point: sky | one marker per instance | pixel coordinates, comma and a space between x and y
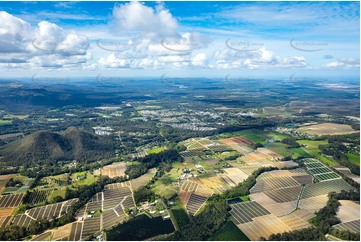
205, 39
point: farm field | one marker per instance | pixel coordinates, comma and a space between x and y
312, 148
237, 140
270, 183
284, 194
155, 150
89, 178
75, 232
90, 227
112, 202
353, 226
283, 150
260, 157
279, 203
195, 202
313, 204
323, 188
246, 211
354, 158
298, 219
143, 179
47, 212
328, 129
346, 171
263, 226
195, 191
3, 180
43, 237
164, 190
257, 136
38, 196
62, 233
4, 221
280, 148
233, 176
114, 170
12, 200
319, 171
348, 211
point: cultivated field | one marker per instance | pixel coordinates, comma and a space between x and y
38, 196
313, 204
114, 170
10, 201
260, 157
353, 226
280, 203
195, 202
22, 220
237, 140
103, 211
245, 212
234, 176
112, 201
90, 227
3, 180
319, 171
47, 212
4, 221
346, 171
263, 226
284, 194
194, 193
43, 237
323, 188
328, 129
143, 179
298, 219
273, 183
75, 232
348, 211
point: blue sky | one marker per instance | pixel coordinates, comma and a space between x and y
182, 38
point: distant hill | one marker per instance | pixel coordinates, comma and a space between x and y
46, 146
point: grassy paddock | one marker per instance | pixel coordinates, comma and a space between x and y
354, 158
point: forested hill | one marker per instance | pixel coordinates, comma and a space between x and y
46, 146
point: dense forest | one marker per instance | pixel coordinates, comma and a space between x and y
47, 148
151, 161
202, 226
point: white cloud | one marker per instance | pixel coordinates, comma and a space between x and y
151, 23
47, 45
255, 59
344, 63
199, 59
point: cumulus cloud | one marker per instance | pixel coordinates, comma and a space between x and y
199, 59
156, 40
144, 37
14, 32
151, 23
255, 59
46, 45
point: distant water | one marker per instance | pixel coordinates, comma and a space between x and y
233, 201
